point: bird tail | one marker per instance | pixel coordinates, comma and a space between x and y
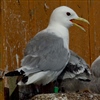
15, 73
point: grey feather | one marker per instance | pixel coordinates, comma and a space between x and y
73, 85
76, 76
76, 68
49, 51
95, 67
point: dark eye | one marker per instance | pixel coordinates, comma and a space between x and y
68, 13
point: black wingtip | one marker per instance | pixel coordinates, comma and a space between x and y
13, 73
25, 79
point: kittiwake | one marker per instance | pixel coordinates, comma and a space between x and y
76, 75
47, 53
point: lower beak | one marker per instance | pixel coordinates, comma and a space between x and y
80, 19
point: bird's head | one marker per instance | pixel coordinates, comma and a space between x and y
65, 16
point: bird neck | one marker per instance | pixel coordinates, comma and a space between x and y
60, 31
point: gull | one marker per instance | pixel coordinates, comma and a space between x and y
47, 53
76, 76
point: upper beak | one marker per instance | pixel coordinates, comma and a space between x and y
80, 19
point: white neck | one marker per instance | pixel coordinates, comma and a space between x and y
59, 31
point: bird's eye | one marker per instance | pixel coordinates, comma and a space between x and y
68, 13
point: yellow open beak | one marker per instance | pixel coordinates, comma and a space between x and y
81, 19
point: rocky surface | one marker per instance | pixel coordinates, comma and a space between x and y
67, 96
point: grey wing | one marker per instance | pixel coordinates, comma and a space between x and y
79, 62
76, 67
45, 52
